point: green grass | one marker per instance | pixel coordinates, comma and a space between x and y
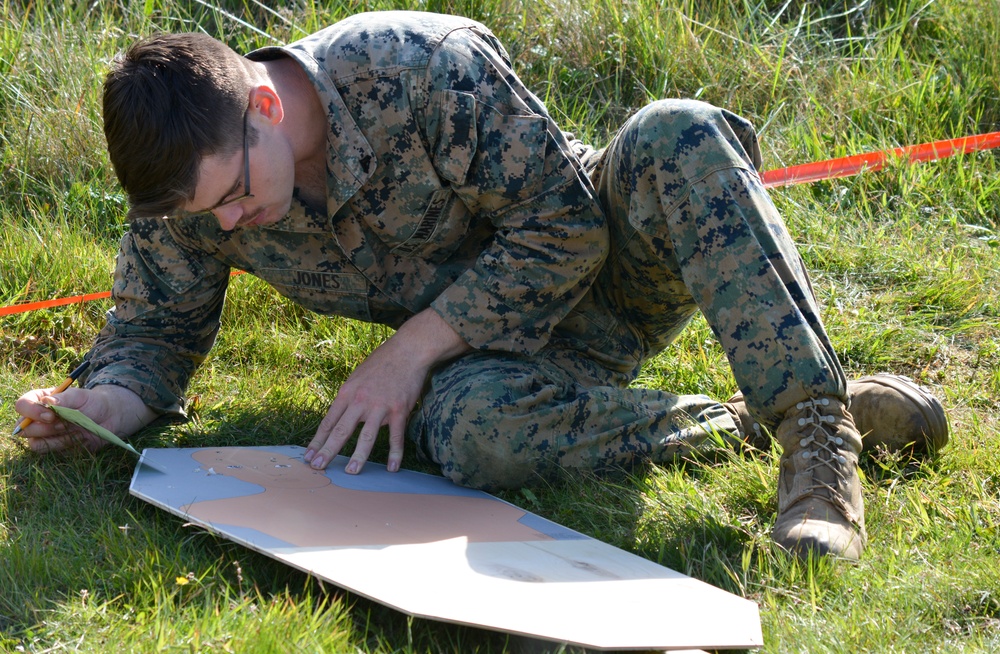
906, 263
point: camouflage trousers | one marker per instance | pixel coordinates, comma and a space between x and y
692, 228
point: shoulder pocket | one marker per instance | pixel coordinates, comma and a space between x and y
172, 265
501, 153
456, 144
510, 161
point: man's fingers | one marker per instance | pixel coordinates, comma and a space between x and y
318, 445
319, 457
48, 426
71, 398
31, 407
50, 444
366, 441
331, 436
371, 411
67, 441
397, 441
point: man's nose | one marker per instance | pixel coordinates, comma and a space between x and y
229, 215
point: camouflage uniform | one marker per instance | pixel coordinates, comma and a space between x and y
450, 187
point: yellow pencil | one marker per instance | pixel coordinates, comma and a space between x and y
73, 376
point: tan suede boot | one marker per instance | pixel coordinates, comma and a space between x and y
890, 411
820, 508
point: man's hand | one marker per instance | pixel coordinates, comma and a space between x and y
117, 409
383, 390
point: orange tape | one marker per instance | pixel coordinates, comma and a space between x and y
45, 304
810, 172
58, 302
852, 165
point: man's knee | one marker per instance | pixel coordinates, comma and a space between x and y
472, 447
690, 130
476, 422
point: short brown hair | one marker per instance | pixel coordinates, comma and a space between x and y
169, 101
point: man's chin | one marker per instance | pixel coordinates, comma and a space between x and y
261, 218
272, 215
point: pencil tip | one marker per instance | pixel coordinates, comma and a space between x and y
17, 430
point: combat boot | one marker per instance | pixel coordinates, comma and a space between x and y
890, 411
820, 508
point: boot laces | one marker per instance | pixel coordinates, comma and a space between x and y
822, 445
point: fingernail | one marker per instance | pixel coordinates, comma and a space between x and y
352, 468
317, 462
393, 466
309, 455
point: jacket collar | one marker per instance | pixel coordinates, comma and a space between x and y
351, 161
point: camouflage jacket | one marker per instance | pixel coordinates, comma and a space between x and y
448, 186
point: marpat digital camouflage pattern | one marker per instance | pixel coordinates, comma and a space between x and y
449, 186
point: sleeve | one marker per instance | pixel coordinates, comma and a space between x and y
165, 319
502, 154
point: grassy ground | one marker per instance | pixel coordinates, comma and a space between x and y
905, 261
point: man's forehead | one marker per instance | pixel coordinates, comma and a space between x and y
217, 177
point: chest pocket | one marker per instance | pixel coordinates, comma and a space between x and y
440, 231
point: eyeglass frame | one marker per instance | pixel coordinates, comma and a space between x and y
246, 195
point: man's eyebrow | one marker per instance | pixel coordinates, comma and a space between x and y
232, 189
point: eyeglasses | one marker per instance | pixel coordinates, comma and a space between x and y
246, 183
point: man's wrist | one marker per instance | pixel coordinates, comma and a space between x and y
130, 413
430, 339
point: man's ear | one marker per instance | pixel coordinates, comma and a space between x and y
265, 101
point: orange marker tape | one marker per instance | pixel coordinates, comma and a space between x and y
58, 302
852, 165
810, 172
45, 304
